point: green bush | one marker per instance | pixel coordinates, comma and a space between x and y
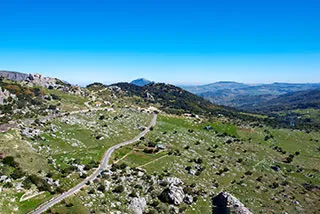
119, 189
9, 160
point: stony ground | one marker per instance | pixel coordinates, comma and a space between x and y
269, 171
61, 151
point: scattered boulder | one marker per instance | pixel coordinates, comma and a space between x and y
188, 199
5, 95
174, 194
225, 203
276, 168
137, 205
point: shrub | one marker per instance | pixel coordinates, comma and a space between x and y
119, 189
8, 185
198, 161
164, 196
52, 107
101, 188
248, 173
17, 173
55, 97
123, 166
9, 160
39, 182
152, 144
133, 194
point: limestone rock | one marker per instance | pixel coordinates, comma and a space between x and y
137, 205
225, 201
176, 194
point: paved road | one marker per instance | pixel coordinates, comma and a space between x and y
103, 165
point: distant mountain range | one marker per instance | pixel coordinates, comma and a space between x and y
289, 101
243, 96
141, 82
222, 85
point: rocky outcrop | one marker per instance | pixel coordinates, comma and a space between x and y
39, 80
137, 205
150, 97
227, 203
176, 194
175, 190
35, 80
4, 95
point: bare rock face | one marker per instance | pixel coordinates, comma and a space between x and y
227, 203
137, 205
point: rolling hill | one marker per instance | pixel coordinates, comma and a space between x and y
236, 95
289, 101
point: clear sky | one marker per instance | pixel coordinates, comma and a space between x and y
175, 41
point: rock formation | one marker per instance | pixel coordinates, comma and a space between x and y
227, 203
137, 205
4, 95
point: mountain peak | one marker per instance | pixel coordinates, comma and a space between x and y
141, 82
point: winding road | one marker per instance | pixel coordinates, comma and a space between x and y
103, 165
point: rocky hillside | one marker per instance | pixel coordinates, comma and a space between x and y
32, 95
13, 75
170, 97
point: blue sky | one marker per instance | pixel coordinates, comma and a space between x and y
175, 41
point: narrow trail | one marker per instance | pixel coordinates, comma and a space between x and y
103, 165
159, 158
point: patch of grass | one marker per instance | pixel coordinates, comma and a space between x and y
29, 160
